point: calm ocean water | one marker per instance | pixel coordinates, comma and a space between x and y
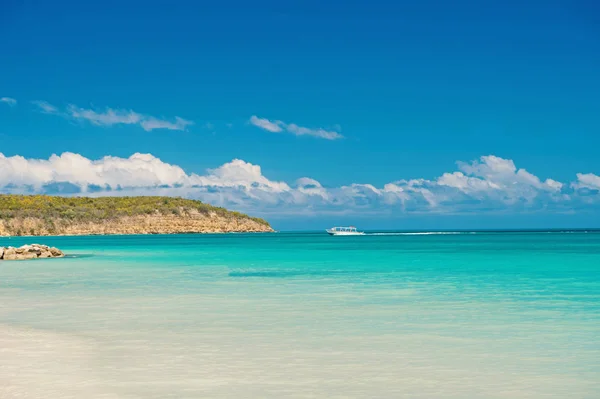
304, 315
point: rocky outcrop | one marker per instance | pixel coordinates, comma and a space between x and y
42, 215
32, 251
143, 224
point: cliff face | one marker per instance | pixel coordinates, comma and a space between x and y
142, 215
150, 224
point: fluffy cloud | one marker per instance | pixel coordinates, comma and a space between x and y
110, 117
241, 174
489, 184
279, 126
496, 180
587, 181
139, 170
10, 101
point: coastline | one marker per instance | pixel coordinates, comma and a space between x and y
139, 234
39, 215
132, 225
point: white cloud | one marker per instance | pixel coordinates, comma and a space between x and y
489, 184
466, 184
492, 174
311, 187
273, 127
152, 123
242, 175
110, 117
8, 100
587, 180
126, 117
279, 126
46, 107
107, 118
139, 170
304, 131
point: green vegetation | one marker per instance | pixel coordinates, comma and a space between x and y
85, 209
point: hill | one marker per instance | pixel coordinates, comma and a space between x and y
49, 215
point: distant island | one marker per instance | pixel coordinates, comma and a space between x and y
43, 215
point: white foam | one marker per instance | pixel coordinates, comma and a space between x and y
418, 233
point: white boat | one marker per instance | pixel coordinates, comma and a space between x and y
344, 231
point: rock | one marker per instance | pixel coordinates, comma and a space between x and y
28, 255
56, 252
10, 251
33, 251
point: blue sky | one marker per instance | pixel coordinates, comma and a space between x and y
411, 88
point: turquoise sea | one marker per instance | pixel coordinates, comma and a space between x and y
304, 315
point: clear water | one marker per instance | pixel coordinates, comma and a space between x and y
486, 315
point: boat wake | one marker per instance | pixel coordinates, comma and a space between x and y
420, 233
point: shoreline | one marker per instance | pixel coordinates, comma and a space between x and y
42, 363
137, 234
38, 215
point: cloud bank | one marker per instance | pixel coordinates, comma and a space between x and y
279, 126
488, 184
111, 117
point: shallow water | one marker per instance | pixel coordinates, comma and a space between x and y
487, 315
